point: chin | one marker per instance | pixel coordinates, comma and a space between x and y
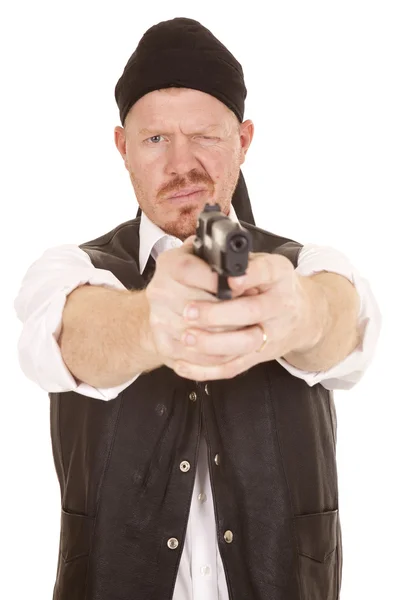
185, 223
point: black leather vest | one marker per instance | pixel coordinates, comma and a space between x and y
124, 496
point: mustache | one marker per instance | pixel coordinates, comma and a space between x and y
179, 183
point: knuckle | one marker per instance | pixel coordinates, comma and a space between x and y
174, 259
267, 262
203, 344
256, 308
274, 267
284, 264
291, 304
253, 338
230, 372
184, 262
222, 371
163, 345
154, 290
286, 301
278, 265
182, 269
205, 360
154, 319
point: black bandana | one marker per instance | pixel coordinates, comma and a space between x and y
183, 53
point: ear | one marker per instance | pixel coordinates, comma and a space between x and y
246, 136
120, 141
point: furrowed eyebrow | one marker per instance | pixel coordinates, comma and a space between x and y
153, 131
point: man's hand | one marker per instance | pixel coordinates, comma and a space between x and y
180, 278
271, 294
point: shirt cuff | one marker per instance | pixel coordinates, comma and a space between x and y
53, 375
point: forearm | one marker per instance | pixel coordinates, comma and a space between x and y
330, 332
105, 338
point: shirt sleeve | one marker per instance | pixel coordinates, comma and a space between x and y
348, 372
39, 306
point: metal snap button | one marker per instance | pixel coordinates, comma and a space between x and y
228, 536
172, 543
184, 466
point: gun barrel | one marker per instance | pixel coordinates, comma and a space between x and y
223, 244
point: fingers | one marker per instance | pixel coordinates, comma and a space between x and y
178, 352
168, 300
217, 371
181, 265
245, 310
264, 270
191, 271
239, 312
244, 341
180, 279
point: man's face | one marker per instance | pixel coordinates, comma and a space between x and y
180, 138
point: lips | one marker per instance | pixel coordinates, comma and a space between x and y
187, 191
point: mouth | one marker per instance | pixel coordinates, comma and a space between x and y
188, 194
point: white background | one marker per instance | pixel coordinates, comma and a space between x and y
323, 92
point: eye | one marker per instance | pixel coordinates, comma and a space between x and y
153, 138
209, 139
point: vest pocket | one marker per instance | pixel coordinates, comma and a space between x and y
75, 535
317, 541
75, 538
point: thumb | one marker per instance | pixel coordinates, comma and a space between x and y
186, 247
189, 241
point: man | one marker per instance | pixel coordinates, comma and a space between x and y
209, 472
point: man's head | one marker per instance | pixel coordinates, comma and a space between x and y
181, 101
179, 138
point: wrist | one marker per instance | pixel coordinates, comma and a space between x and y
315, 316
147, 341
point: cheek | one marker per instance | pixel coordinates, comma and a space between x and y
225, 163
142, 172
217, 165
140, 162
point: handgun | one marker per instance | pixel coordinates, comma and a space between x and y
224, 245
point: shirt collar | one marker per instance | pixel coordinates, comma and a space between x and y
150, 234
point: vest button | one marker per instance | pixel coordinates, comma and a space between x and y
184, 466
160, 409
172, 543
193, 396
228, 536
216, 459
207, 390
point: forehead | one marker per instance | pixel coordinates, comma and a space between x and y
179, 105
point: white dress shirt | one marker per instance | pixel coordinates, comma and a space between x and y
39, 305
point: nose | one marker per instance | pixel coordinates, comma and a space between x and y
180, 157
